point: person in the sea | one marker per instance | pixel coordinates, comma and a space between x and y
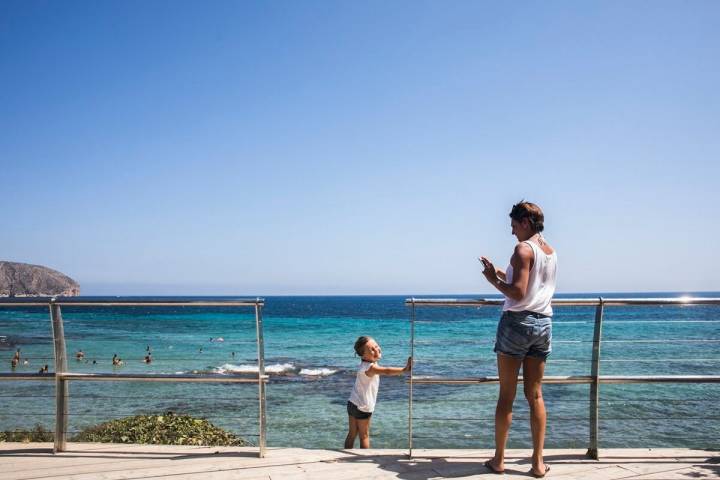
79, 355
524, 332
148, 358
362, 400
15, 360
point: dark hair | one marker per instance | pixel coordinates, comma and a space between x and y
360, 344
532, 212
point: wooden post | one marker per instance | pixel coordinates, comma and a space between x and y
61, 385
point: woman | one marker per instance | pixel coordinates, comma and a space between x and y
525, 329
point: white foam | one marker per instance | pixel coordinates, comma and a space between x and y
279, 368
317, 371
275, 368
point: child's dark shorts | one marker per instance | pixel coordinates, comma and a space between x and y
355, 412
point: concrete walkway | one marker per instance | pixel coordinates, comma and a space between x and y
92, 461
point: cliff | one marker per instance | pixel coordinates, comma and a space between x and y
25, 280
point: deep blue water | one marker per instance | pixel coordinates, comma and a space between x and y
308, 350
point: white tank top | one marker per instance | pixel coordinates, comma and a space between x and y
364, 393
541, 284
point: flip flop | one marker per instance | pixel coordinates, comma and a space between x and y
489, 466
538, 475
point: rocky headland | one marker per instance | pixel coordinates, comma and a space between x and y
26, 280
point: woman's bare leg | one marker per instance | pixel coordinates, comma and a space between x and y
533, 371
352, 432
363, 427
508, 368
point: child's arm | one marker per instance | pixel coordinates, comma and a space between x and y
376, 369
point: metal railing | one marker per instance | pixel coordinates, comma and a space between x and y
62, 376
594, 379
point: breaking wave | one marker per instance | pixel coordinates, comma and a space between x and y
275, 369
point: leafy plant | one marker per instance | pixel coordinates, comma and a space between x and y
37, 434
168, 429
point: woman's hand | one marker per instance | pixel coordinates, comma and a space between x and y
489, 271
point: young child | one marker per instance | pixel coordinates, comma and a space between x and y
362, 399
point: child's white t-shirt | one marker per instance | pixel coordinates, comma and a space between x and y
364, 393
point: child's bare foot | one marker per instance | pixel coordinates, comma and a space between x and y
540, 473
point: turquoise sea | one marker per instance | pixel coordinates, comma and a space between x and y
309, 355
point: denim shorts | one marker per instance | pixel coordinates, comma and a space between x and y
521, 334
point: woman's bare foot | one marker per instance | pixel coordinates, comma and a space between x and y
495, 467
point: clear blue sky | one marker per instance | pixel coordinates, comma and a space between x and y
338, 147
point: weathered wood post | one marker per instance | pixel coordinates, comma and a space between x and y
61, 385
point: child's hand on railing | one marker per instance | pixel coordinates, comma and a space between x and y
408, 365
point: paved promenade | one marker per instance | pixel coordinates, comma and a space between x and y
92, 461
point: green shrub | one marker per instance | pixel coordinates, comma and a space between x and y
168, 429
37, 434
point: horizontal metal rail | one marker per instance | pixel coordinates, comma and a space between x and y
577, 379
134, 377
45, 301
50, 377
567, 302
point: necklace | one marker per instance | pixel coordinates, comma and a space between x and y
540, 239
